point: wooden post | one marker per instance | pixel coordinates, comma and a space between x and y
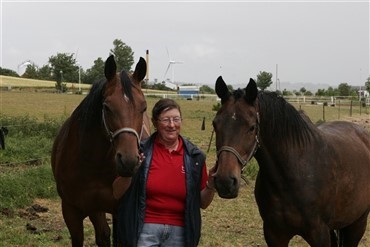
323, 112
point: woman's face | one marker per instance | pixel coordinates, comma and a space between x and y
168, 125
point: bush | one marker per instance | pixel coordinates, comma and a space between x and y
19, 187
28, 139
27, 143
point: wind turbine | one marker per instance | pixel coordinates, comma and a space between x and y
171, 63
24, 64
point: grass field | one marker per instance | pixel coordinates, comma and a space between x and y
24, 84
225, 222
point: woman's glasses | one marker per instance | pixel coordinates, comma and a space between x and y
168, 120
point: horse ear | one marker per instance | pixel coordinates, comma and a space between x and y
110, 68
222, 90
251, 91
140, 70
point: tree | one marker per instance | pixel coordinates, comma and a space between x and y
303, 90
308, 93
64, 69
95, 72
367, 84
31, 72
8, 72
206, 89
45, 73
344, 89
264, 80
330, 91
287, 93
320, 92
124, 55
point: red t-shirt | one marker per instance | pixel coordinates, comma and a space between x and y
166, 188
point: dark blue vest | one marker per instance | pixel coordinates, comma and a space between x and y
131, 211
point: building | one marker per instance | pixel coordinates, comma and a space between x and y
188, 92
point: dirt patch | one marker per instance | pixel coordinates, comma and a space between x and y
43, 216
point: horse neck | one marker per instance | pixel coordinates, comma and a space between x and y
279, 155
93, 137
282, 126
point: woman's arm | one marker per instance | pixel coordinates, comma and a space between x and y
207, 194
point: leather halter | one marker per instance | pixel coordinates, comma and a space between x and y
114, 134
232, 150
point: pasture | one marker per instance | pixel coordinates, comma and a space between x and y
226, 223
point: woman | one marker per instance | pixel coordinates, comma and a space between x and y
162, 206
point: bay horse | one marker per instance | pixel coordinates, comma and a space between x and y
313, 181
98, 142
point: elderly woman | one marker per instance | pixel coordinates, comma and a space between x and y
162, 206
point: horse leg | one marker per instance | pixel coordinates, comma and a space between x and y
319, 235
116, 240
352, 234
74, 221
102, 230
334, 238
274, 237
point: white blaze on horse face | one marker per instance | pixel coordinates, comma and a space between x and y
234, 116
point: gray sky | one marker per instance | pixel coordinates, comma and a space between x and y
315, 42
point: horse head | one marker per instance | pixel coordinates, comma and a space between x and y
236, 128
124, 105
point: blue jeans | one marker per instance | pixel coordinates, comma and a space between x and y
161, 235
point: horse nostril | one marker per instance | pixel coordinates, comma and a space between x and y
119, 155
234, 182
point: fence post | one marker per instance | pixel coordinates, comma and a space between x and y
323, 112
350, 109
339, 110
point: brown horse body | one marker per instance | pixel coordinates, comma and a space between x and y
313, 181
98, 142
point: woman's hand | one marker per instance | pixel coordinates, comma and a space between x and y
211, 179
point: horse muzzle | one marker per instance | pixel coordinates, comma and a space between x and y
127, 166
227, 188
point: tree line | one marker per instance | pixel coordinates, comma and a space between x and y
63, 67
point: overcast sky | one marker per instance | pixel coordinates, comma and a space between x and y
316, 42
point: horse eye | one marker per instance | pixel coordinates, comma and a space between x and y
106, 108
251, 129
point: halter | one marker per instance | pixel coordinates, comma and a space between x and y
114, 134
232, 150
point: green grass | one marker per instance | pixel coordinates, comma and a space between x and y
18, 82
20, 186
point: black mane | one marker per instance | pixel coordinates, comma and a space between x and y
282, 121
89, 112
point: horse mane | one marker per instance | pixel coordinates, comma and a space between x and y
283, 121
280, 119
90, 109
